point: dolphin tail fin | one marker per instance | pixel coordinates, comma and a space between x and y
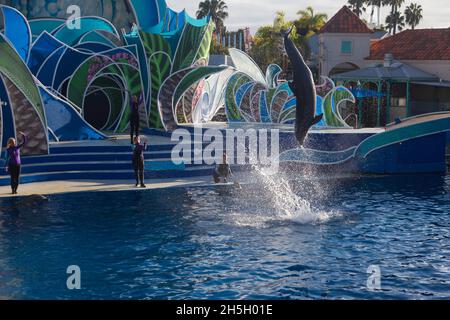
317, 119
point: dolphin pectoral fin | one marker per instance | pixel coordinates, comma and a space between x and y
317, 119
292, 85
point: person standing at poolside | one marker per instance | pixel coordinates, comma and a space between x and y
13, 162
134, 117
138, 160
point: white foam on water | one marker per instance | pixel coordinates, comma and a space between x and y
289, 206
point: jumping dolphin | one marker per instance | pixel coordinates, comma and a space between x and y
304, 89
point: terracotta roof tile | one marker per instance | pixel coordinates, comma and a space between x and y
419, 44
345, 21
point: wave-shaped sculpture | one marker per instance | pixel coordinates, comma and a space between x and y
17, 31
252, 97
60, 71
65, 121
179, 83
119, 12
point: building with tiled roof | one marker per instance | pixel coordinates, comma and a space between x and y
344, 42
418, 44
426, 49
345, 21
392, 77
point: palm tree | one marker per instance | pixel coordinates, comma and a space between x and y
310, 21
357, 6
395, 21
395, 4
217, 9
375, 3
267, 42
413, 15
395, 15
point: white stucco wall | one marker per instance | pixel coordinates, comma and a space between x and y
330, 50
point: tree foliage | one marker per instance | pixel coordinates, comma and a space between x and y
217, 9
268, 43
413, 15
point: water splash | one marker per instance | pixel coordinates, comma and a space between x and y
289, 206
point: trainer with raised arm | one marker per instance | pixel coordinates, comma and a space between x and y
13, 162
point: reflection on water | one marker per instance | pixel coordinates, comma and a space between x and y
312, 238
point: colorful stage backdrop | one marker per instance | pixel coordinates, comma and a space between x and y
61, 83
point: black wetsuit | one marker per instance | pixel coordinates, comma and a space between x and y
14, 171
138, 162
222, 170
134, 120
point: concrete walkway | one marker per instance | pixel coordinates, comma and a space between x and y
60, 187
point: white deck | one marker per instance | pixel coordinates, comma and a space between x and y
286, 128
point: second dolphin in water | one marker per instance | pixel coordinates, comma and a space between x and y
304, 90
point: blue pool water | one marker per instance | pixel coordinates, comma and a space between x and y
269, 240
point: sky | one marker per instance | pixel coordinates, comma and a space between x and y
255, 13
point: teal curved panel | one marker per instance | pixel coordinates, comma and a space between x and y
284, 87
65, 122
265, 116
196, 22
319, 111
272, 73
49, 25
44, 46
149, 12
94, 36
401, 134
17, 31
290, 104
232, 109
171, 21
88, 24
136, 40
119, 12
242, 91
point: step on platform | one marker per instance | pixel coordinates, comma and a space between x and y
108, 161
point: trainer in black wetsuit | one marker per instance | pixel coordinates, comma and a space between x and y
134, 117
138, 161
222, 170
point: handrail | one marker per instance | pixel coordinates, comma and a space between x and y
418, 116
